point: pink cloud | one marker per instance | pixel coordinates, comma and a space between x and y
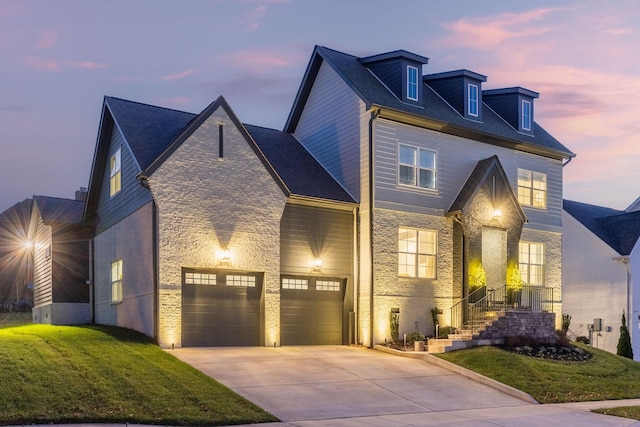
43, 64
48, 39
252, 20
177, 76
51, 65
618, 31
259, 58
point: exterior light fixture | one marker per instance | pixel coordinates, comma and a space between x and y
497, 213
225, 254
28, 244
317, 263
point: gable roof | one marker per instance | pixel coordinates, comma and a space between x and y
58, 210
492, 129
618, 229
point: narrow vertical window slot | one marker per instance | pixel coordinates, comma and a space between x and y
220, 141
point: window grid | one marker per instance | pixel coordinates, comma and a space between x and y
532, 263
116, 281
417, 250
473, 100
532, 188
200, 279
412, 83
115, 172
328, 285
416, 166
241, 281
526, 115
301, 284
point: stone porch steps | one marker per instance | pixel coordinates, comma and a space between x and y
452, 344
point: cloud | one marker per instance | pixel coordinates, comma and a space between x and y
618, 31
51, 65
48, 39
252, 20
264, 59
178, 76
487, 32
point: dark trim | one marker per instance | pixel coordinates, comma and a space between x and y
374, 115
221, 140
156, 268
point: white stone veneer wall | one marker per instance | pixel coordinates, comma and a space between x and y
206, 205
414, 297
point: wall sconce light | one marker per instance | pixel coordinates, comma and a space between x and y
497, 213
28, 244
317, 263
225, 254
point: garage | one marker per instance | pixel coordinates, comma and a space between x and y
311, 310
221, 308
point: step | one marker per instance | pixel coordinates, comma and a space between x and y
446, 345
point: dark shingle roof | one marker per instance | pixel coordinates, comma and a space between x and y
301, 173
618, 229
54, 209
148, 129
373, 92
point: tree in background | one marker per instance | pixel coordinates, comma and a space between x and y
624, 343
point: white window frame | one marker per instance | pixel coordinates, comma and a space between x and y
531, 263
526, 115
412, 83
328, 285
241, 280
196, 278
472, 101
417, 258
532, 189
116, 281
115, 173
299, 284
417, 167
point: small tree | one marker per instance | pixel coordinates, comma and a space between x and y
566, 321
624, 343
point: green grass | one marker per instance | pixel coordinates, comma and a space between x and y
604, 377
63, 374
623, 411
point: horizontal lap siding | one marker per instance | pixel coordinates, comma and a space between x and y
42, 277
329, 128
456, 159
131, 197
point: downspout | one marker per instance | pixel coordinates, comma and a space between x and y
357, 246
625, 260
155, 264
92, 287
374, 115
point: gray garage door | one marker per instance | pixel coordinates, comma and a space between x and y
221, 308
311, 310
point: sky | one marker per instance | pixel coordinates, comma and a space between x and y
59, 58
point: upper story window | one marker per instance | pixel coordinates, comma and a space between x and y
472, 98
417, 253
412, 83
416, 166
115, 172
116, 281
532, 188
526, 115
532, 263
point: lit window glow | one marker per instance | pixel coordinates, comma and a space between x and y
417, 253
115, 167
532, 188
532, 263
116, 281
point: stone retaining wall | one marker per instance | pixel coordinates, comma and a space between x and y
537, 326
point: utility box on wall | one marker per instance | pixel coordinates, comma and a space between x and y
597, 324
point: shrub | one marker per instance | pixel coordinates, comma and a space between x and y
624, 342
443, 331
583, 340
413, 337
566, 321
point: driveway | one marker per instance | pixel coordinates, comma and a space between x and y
341, 386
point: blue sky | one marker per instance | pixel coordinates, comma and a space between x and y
60, 57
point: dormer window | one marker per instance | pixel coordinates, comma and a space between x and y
115, 168
472, 100
412, 83
526, 115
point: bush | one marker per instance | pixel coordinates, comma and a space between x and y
413, 337
443, 331
624, 342
582, 339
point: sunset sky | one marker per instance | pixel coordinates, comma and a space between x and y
58, 58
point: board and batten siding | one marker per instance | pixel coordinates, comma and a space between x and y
131, 197
42, 270
329, 128
456, 158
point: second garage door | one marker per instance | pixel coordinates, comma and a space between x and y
311, 310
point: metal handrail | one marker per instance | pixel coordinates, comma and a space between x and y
459, 310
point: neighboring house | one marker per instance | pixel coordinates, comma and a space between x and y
16, 268
386, 190
60, 247
601, 252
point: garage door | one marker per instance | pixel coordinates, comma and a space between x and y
311, 310
221, 308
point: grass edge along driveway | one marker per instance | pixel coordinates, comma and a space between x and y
91, 374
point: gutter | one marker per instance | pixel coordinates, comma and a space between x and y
143, 180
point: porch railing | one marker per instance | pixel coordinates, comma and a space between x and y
472, 313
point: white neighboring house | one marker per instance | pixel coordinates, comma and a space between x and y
600, 253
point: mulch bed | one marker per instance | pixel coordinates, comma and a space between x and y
566, 353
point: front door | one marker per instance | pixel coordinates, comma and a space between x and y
494, 256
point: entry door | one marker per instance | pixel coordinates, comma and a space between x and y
494, 256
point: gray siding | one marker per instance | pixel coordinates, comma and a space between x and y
329, 128
132, 196
70, 255
456, 159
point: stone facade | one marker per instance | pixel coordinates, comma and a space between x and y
511, 323
207, 204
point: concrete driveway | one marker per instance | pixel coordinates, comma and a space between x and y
346, 386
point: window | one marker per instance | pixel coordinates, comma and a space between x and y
199, 279
301, 284
526, 115
532, 188
115, 167
417, 166
532, 263
412, 83
417, 253
328, 285
473, 100
241, 281
116, 281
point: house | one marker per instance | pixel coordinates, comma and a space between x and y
601, 252
60, 251
386, 190
15, 262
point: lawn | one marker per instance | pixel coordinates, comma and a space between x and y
603, 377
64, 374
